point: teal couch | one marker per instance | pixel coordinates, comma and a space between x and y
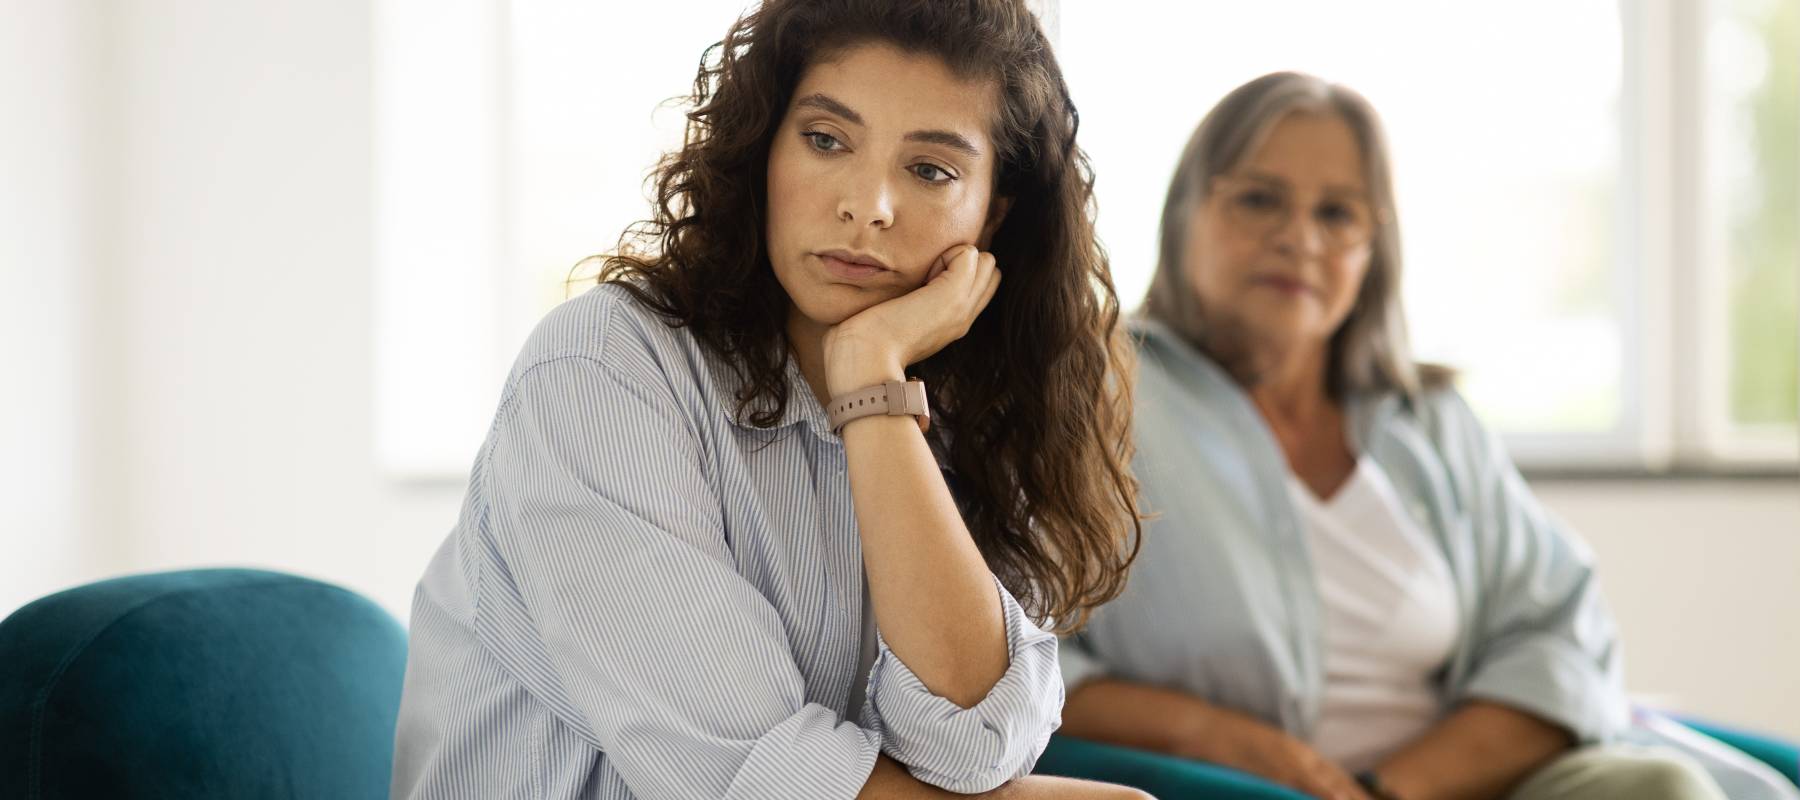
199, 684
1171, 778
236, 683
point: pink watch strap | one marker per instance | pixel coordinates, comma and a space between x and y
893, 398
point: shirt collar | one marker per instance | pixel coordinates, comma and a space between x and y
802, 408
1364, 413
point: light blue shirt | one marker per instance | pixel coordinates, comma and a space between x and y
1222, 602
647, 598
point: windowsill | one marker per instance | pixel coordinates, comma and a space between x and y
1680, 474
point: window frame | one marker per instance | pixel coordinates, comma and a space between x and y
1674, 414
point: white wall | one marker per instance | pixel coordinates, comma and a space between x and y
207, 259
245, 267
187, 369
50, 130
1704, 577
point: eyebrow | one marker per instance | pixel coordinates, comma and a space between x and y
954, 141
950, 139
1332, 189
830, 105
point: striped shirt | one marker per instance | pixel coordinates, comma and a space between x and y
644, 597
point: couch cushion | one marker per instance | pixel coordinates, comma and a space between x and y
197, 684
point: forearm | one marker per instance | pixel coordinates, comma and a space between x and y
1479, 751
1170, 722
889, 781
934, 597
1143, 717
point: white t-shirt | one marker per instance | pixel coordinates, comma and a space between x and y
1390, 617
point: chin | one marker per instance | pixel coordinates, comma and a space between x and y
828, 304
1282, 320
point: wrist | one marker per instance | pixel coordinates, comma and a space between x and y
1201, 733
1371, 782
853, 363
861, 376
1405, 782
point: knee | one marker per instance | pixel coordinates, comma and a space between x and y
1662, 777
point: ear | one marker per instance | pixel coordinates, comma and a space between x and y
996, 214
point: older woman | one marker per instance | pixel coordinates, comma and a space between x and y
1346, 588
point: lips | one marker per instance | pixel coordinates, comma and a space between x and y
850, 265
1285, 284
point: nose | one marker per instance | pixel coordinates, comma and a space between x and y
867, 200
1300, 234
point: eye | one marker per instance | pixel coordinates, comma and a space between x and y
1336, 214
932, 173
823, 142
1259, 200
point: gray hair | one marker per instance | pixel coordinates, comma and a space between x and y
1370, 351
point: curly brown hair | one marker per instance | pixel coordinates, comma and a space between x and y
1032, 406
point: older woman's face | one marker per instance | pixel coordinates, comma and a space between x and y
1279, 247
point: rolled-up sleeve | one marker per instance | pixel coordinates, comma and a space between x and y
1546, 642
611, 533
975, 749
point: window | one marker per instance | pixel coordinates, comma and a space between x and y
512, 140
1598, 200
1540, 169
438, 197
1752, 173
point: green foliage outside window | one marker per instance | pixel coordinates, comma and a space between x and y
1765, 238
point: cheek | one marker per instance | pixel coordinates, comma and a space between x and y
933, 225
1347, 274
953, 220
1213, 266
785, 192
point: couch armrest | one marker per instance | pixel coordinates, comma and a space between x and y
1783, 756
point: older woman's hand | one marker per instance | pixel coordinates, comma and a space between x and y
1243, 743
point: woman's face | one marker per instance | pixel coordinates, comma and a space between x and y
882, 163
1277, 251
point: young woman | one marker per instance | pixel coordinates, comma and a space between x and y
777, 510
1348, 588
